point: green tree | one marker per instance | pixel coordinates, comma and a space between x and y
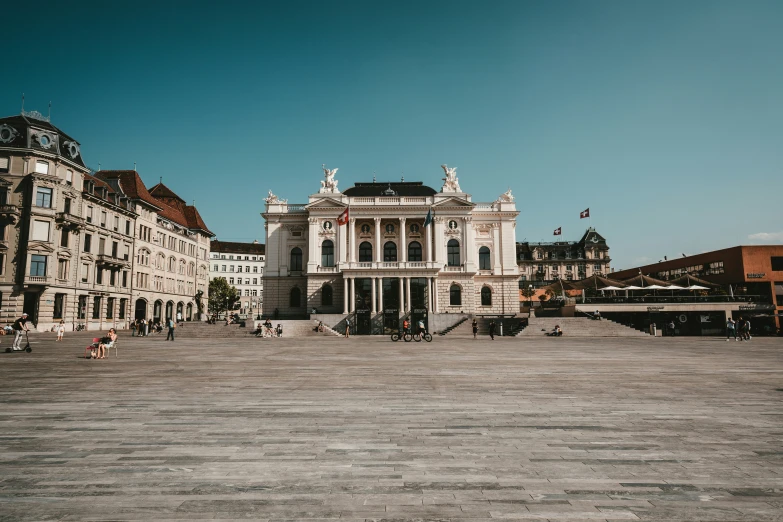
222, 296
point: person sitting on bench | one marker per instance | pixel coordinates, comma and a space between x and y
556, 332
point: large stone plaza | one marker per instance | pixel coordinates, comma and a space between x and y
326, 428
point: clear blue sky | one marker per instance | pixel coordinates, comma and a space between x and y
665, 118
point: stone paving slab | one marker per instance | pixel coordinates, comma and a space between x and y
366, 429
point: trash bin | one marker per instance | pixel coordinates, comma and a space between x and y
500, 328
653, 330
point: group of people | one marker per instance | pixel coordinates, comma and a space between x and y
143, 327
420, 328
266, 329
492, 329
739, 329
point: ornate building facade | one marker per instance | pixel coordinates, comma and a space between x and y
69, 237
543, 263
390, 249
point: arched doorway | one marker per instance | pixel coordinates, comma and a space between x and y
157, 310
180, 310
141, 309
169, 310
189, 312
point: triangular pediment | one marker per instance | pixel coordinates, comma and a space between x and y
38, 246
5, 183
325, 204
454, 202
87, 257
64, 254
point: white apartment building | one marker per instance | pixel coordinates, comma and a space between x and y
242, 264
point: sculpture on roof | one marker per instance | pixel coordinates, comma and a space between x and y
450, 182
329, 184
271, 199
506, 197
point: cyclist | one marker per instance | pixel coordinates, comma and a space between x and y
420, 325
405, 326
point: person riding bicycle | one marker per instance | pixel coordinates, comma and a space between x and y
405, 326
420, 326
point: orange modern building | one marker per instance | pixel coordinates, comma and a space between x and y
748, 270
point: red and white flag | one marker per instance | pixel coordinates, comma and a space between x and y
584, 214
558, 231
342, 219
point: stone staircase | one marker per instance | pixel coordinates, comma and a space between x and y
511, 326
291, 328
579, 327
452, 327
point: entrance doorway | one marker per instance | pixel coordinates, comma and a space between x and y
363, 322
31, 306
391, 320
141, 309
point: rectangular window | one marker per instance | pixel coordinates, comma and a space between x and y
113, 277
98, 276
255, 280
125, 279
42, 167
81, 312
110, 308
223, 268
43, 197
96, 307
247, 269
114, 249
87, 242
37, 265
127, 227
215, 268
777, 263
255, 269
88, 215
126, 254
85, 272
67, 205
64, 238
69, 177
231, 280
40, 230
103, 219
116, 223
231, 268
62, 269
3, 164
59, 305
101, 245
121, 312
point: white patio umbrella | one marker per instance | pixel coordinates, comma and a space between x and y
655, 287
631, 288
675, 287
612, 288
697, 287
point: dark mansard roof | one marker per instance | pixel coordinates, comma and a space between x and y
400, 188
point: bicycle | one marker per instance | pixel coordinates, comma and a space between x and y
80, 327
418, 336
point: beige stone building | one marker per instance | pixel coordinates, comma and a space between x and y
388, 260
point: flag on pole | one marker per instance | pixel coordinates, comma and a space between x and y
342, 219
585, 213
558, 231
428, 219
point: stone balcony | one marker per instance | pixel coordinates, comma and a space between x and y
10, 213
31, 280
111, 261
69, 220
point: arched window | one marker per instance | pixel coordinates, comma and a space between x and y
296, 259
365, 252
390, 251
414, 251
327, 253
486, 296
295, 298
326, 295
452, 248
484, 259
455, 295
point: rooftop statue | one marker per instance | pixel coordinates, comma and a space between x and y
506, 197
450, 182
329, 184
271, 199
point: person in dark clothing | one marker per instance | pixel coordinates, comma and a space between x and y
171, 325
475, 328
20, 325
492, 330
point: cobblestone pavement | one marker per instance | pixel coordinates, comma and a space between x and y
366, 429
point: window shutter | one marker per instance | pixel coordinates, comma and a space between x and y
40, 230
4, 163
42, 167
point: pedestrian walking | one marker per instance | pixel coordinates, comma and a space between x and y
347, 328
20, 325
60, 330
475, 329
671, 328
179, 318
171, 325
731, 330
134, 325
492, 330
746, 330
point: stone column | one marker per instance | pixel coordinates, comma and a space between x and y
408, 306
373, 309
339, 240
380, 294
312, 241
378, 246
429, 293
496, 253
469, 244
428, 233
440, 258
435, 294
352, 240
402, 295
351, 298
403, 244
345, 295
